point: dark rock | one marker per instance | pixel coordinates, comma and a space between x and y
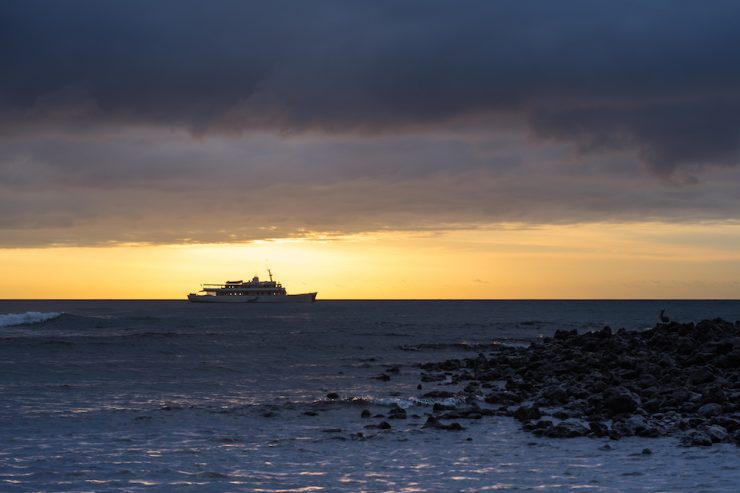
537, 425
310, 413
433, 422
332, 396
674, 378
709, 410
557, 394
700, 376
384, 425
696, 438
716, 433
647, 451
598, 429
565, 334
431, 377
618, 400
365, 413
397, 412
569, 428
383, 377
438, 407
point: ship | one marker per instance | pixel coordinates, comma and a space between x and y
254, 291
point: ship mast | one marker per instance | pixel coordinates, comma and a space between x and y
270, 272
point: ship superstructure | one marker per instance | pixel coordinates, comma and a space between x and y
254, 291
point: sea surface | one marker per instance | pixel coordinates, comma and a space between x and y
169, 396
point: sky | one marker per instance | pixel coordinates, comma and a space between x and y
386, 149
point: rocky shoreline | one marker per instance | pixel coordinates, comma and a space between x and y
675, 379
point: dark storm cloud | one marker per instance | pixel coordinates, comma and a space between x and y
660, 78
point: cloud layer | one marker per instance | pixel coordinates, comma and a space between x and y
660, 77
216, 121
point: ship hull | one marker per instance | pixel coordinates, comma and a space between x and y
290, 298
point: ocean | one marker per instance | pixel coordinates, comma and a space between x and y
168, 396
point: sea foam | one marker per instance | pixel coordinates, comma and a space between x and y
9, 319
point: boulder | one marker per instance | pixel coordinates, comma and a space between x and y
696, 438
709, 410
526, 413
619, 400
716, 433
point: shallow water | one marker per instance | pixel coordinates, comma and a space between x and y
153, 396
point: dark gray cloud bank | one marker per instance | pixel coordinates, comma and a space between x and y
147, 121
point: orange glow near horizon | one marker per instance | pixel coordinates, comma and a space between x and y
644, 260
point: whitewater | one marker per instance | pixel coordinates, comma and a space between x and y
170, 396
27, 318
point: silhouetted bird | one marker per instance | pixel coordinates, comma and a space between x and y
663, 317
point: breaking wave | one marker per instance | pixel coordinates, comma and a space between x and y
10, 319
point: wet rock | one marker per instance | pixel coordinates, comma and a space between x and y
565, 334
730, 423
709, 410
439, 407
383, 425
716, 433
537, 425
674, 378
332, 396
556, 394
618, 400
598, 429
638, 425
397, 412
526, 413
700, 375
568, 428
696, 438
647, 451
433, 422
365, 414
432, 377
